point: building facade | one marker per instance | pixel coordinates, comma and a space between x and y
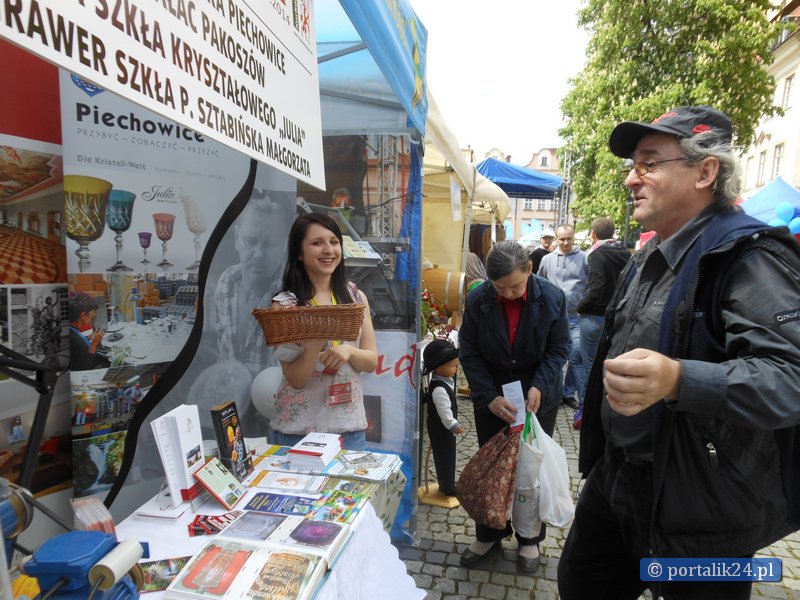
776, 149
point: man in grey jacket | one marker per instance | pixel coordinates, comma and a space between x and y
566, 267
690, 440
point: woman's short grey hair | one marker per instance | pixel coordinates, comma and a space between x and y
728, 185
504, 258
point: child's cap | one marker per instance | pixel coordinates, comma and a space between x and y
437, 353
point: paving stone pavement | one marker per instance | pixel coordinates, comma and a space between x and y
442, 534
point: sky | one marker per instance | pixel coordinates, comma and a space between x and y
498, 70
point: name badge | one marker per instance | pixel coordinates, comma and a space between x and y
340, 393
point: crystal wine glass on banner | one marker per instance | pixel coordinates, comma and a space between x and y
118, 217
164, 223
196, 224
85, 203
144, 242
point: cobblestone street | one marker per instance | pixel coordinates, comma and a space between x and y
441, 535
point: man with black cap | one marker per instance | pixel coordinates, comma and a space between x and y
688, 439
440, 358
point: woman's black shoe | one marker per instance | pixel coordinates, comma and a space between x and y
470, 559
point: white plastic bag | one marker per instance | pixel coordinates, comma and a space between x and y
525, 509
555, 502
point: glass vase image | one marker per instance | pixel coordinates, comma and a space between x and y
164, 223
85, 204
118, 218
144, 242
196, 224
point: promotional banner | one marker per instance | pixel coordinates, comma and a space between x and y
33, 272
244, 76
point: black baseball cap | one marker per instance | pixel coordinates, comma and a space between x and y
682, 122
437, 353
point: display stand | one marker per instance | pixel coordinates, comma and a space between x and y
430, 494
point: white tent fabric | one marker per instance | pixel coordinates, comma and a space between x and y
486, 196
442, 237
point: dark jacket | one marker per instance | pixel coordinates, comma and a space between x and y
605, 264
724, 465
540, 349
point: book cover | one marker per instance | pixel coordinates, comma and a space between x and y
212, 572
370, 466
252, 525
337, 506
220, 482
232, 450
158, 574
282, 504
285, 481
324, 538
287, 575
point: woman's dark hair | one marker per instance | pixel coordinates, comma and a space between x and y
295, 277
81, 302
504, 258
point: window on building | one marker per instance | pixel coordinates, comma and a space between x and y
762, 163
747, 172
528, 204
543, 162
776, 161
787, 92
541, 204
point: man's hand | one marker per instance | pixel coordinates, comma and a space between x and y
638, 379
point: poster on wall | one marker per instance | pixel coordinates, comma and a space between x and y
138, 212
33, 271
244, 74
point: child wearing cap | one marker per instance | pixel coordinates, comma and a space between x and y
440, 358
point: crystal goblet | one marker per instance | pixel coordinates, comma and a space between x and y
196, 224
164, 223
85, 203
118, 218
144, 242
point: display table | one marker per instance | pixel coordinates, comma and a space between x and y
368, 568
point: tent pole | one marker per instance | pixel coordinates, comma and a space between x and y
468, 221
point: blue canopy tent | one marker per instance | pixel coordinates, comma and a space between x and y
762, 205
519, 182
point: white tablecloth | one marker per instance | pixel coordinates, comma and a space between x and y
368, 568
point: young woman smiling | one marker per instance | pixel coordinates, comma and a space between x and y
321, 387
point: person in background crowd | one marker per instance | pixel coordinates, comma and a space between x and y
546, 246
475, 273
321, 386
515, 328
84, 338
566, 267
691, 412
440, 359
605, 260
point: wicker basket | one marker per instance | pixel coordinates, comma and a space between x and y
302, 323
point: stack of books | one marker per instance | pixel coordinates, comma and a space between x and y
315, 451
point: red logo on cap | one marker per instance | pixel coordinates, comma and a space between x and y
701, 128
665, 115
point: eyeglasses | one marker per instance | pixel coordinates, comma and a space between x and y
643, 167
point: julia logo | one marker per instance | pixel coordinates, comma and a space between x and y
89, 88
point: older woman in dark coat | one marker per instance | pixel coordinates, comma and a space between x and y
515, 328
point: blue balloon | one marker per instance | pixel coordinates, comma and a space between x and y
777, 223
784, 211
794, 225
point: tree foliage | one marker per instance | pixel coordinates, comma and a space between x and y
647, 56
